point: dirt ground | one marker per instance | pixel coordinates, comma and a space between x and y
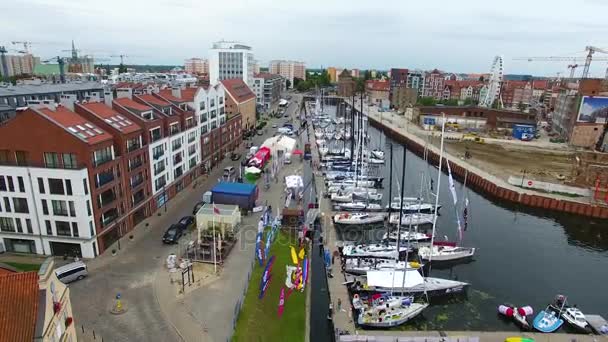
508, 160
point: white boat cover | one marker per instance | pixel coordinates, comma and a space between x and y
293, 181
396, 279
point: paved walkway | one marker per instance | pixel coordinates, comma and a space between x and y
465, 336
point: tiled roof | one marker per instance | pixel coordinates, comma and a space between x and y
189, 93
117, 121
18, 306
167, 94
377, 85
238, 90
153, 100
128, 103
76, 124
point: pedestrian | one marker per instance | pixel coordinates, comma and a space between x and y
333, 259
339, 304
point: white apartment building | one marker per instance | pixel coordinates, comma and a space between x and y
196, 66
288, 69
44, 210
231, 60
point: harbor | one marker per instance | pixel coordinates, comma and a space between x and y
549, 252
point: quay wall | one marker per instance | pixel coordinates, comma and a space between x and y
484, 186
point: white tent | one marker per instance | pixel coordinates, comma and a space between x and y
280, 143
294, 182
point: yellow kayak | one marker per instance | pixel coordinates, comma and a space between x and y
519, 339
294, 256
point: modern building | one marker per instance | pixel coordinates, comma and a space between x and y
267, 88
240, 99
288, 69
105, 165
231, 60
333, 76
19, 95
415, 80
473, 117
346, 85
196, 66
35, 306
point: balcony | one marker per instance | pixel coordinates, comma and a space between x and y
134, 146
155, 135
104, 178
135, 163
177, 158
136, 180
174, 130
158, 170
176, 146
106, 198
108, 217
158, 153
100, 161
138, 197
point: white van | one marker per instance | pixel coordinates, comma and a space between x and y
70, 272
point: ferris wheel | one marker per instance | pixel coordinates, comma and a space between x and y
494, 83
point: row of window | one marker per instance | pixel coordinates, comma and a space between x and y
58, 186
7, 184
19, 205
8, 224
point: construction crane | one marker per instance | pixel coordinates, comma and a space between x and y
61, 62
26, 46
3, 51
122, 57
592, 50
572, 66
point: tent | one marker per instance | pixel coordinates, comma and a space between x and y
261, 157
296, 152
280, 143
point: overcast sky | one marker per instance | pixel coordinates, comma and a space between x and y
458, 36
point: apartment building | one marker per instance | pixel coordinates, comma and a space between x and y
267, 88
19, 95
196, 66
288, 69
240, 99
18, 65
231, 60
106, 164
433, 84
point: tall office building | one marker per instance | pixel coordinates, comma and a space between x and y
196, 66
231, 60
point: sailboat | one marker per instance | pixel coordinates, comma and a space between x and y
357, 219
414, 219
384, 311
362, 265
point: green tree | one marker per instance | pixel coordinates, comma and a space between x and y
296, 81
450, 102
521, 106
426, 101
367, 75
287, 84
122, 68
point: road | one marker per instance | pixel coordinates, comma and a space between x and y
133, 271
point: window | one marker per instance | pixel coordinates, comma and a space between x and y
41, 185
133, 144
86, 188
176, 144
51, 159
18, 225
56, 186
158, 151
21, 157
68, 186
212, 103
20, 205
91, 229
88, 208
21, 184
28, 225
69, 160
7, 204
49, 229
155, 134
45, 208
221, 100
72, 208
103, 155
59, 208
7, 224
75, 229
160, 183
201, 105
11, 186
2, 184
63, 228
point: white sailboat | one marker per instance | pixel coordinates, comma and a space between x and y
355, 219
387, 251
411, 219
362, 265
407, 236
387, 311
445, 253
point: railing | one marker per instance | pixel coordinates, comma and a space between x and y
138, 162
104, 178
101, 161
176, 146
158, 154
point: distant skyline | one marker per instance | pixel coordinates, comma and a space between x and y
461, 37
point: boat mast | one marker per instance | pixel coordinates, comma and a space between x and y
399, 224
437, 192
390, 191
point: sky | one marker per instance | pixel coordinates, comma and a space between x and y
457, 36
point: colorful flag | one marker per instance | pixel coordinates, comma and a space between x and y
301, 254
265, 287
281, 302
216, 210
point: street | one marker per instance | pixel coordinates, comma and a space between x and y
138, 267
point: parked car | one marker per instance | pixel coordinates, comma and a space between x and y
70, 272
197, 206
172, 234
235, 156
185, 222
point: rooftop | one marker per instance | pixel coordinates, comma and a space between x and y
167, 94
128, 103
377, 85
238, 90
75, 124
266, 75
154, 100
49, 88
188, 94
111, 117
234, 188
18, 306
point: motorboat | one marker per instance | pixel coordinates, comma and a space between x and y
352, 219
341, 197
572, 315
360, 206
411, 219
548, 320
377, 153
386, 311
407, 236
402, 282
386, 251
445, 253
518, 315
362, 265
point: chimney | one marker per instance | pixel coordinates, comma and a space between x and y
37, 104
108, 97
124, 92
93, 97
67, 100
176, 91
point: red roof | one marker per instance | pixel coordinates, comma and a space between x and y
541, 84
111, 117
238, 90
167, 94
128, 103
377, 85
76, 124
18, 306
153, 100
189, 93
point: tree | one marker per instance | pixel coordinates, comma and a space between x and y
450, 102
426, 101
367, 75
287, 84
122, 68
296, 81
359, 84
521, 106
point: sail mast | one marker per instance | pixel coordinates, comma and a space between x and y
437, 191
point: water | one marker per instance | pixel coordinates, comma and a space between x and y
524, 256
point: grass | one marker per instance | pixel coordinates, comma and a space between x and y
258, 319
24, 267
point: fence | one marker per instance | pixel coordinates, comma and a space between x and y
88, 335
239, 302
